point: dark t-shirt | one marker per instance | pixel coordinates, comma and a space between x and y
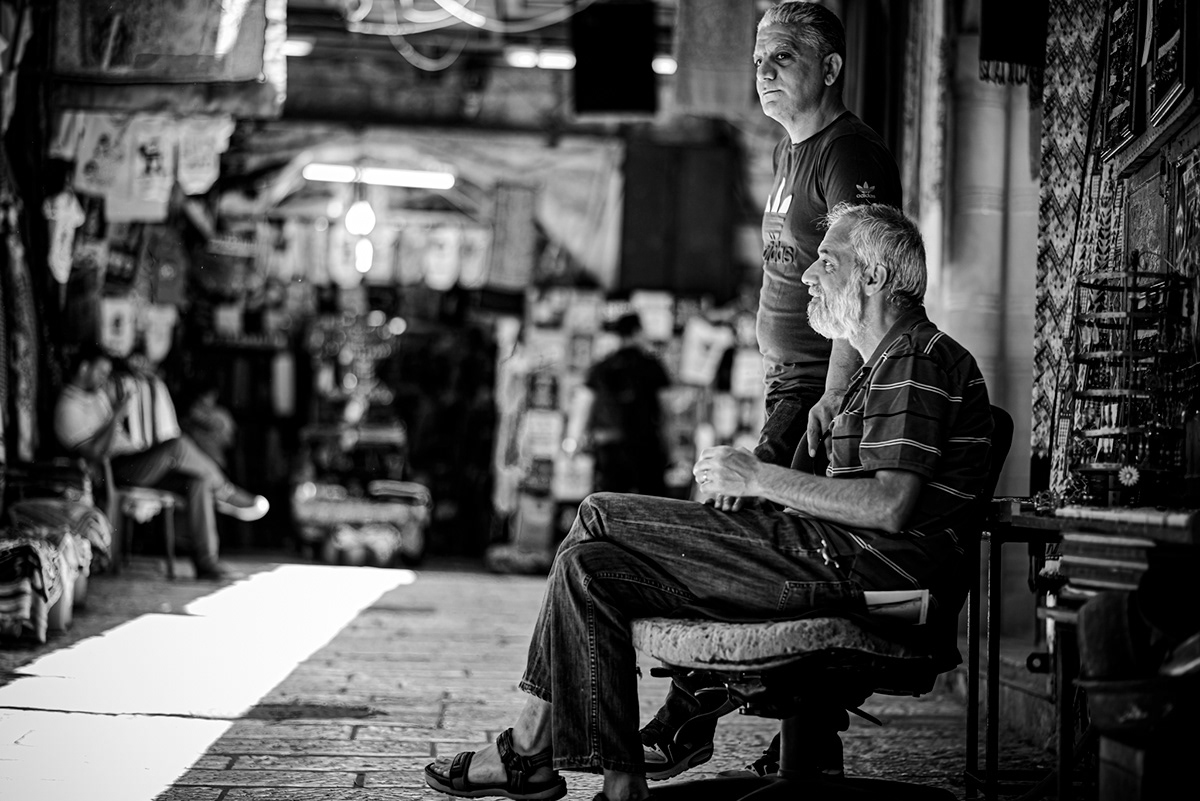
844, 162
626, 384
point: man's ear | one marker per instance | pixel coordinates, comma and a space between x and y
875, 278
833, 68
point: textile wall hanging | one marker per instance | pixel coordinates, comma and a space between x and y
1080, 208
4, 367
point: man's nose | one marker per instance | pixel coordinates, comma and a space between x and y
809, 277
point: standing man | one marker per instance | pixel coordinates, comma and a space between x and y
827, 156
620, 410
91, 422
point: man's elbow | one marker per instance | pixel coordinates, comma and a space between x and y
895, 515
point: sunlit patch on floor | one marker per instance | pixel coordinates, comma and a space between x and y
123, 714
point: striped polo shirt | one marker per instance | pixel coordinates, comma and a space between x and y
918, 404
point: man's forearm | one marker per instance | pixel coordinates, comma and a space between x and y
881, 502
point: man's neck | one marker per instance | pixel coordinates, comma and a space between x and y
816, 121
878, 320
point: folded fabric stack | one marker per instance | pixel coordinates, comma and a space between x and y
47, 551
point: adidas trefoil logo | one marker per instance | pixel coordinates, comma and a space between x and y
865, 191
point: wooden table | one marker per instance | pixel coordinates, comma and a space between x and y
1013, 522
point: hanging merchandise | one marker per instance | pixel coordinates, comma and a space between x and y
64, 215
23, 337
201, 142
128, 160
16, 29
121, 266
746, 378
475, 251
158, 323
117, 329
145, 191
704, 345
442, 257
165, 261
101, 152
410, 258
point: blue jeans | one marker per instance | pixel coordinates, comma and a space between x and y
784, 433
180, 466
631, 556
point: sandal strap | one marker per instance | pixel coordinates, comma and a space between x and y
459, 768
519, 767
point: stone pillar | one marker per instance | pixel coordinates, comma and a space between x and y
985, 299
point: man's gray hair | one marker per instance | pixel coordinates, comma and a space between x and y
884, 235
811, 23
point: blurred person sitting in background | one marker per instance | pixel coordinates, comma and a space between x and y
91, 419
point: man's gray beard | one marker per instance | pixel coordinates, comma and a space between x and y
838, 316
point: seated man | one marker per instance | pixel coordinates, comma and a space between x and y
90, 422
907, 453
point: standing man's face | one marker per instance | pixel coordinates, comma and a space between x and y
790, 77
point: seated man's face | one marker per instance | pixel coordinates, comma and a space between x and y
835, 309
95, 374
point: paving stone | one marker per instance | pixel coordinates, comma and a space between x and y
267, 778
190, 794
326, 794
350, 749
280, 731
431, 669
366, 763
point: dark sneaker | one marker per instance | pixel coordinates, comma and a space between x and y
236, 502
667, 754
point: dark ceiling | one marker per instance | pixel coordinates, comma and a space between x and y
369, 65
356, 29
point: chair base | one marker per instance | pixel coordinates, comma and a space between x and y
816, 788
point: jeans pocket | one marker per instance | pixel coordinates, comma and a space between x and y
804, 596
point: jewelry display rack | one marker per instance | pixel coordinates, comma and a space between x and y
1129, 343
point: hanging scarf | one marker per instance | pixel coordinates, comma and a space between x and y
1012, 42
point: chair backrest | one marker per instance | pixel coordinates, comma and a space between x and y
1002, 435
945, 629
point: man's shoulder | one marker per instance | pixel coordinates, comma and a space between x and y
73, 396
922, 337
848, 131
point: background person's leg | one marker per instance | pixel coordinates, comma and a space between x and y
200, 533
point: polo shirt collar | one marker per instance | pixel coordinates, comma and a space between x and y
909, 319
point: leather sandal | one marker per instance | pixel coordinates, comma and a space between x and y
517, 767
667, 754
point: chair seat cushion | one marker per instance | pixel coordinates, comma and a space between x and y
755, 646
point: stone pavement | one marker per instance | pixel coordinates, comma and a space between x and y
431, 668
